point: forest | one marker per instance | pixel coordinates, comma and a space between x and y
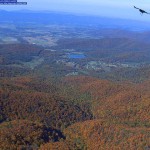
72, 112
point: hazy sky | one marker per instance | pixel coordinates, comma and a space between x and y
112, 8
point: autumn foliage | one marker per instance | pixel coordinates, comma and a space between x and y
78, 113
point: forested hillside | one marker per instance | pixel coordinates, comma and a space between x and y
79, 113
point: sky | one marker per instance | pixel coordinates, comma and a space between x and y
109, 8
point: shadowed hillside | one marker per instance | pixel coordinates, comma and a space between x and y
118, 113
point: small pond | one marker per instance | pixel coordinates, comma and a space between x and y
77, 56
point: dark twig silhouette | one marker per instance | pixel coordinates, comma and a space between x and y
141, 11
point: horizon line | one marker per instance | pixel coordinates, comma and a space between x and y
72, 13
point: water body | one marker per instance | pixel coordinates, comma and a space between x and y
76, 56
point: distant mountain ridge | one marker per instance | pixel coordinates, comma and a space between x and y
49, 17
